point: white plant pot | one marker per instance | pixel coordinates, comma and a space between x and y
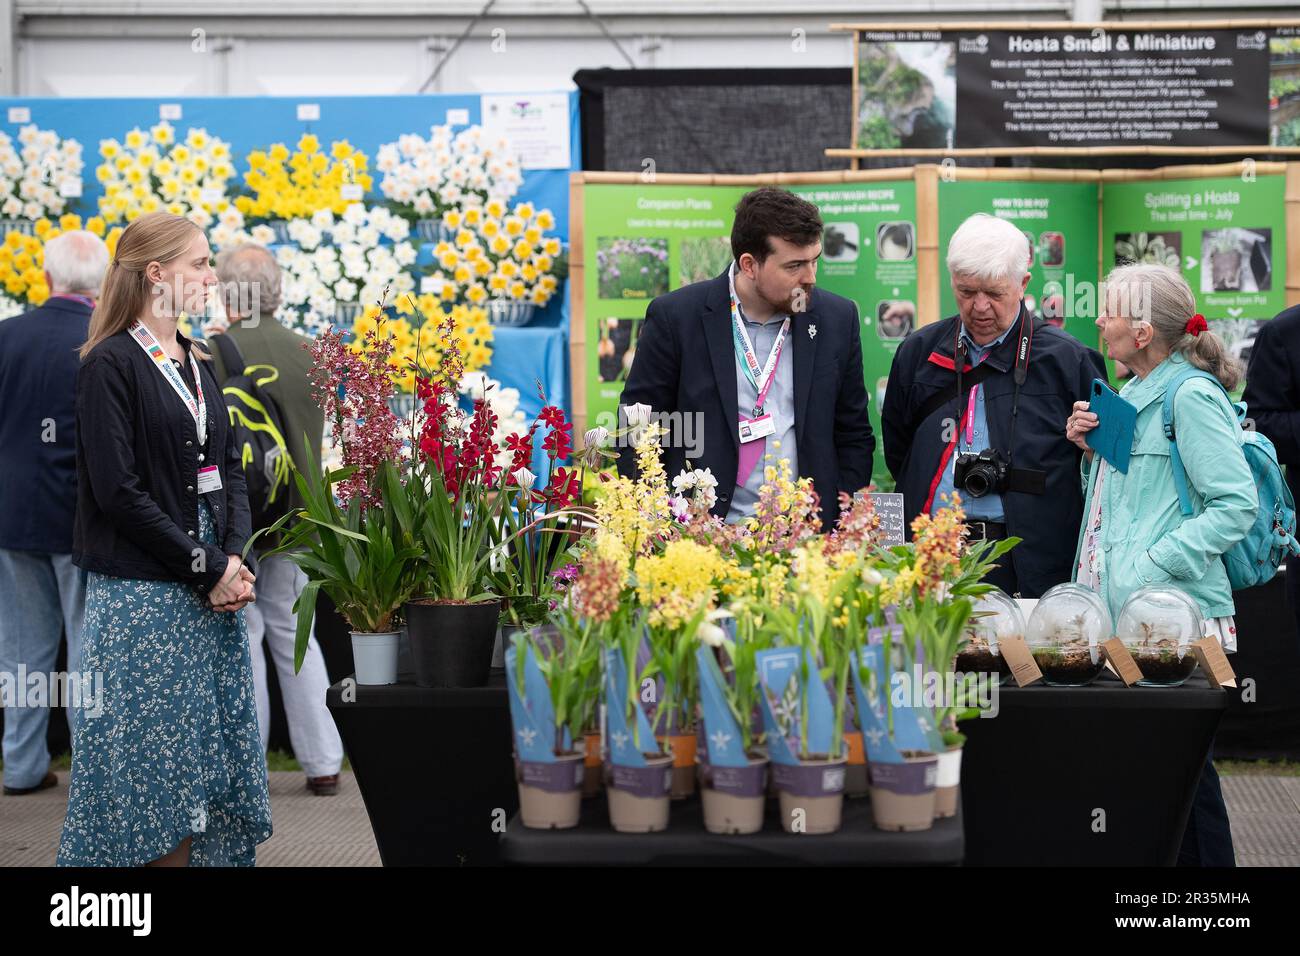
375, 657
949, 771
507, 312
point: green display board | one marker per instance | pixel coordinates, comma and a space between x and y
1226, 236
1060, 220
642, 240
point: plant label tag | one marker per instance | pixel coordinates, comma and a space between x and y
1023, 666
352, 192
169, 111
752, 429
70, 188
209, 479
458, 117
20, 114
307, 112
1122, 662
1214, 662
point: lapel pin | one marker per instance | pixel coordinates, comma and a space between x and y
812, 331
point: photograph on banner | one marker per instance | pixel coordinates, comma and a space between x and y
1284, 87
642, 239
906, 95
1227, 236
1059, 219
1173, 85
869, 256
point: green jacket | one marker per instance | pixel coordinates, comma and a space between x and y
1145, 539
270, 343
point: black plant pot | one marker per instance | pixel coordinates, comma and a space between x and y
451, 644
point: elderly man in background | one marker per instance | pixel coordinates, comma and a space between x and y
42, 594
976, 404
250, 283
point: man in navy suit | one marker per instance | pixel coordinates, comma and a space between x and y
759, 364
41, 592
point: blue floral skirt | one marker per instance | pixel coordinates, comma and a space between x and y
168, 746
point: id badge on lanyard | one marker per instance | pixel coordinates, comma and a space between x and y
760, 423
209, 478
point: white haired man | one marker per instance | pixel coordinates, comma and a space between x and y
974, 404
42, 594
250, 285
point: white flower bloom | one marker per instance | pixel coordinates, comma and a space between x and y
523, 477
638, 414
710, 634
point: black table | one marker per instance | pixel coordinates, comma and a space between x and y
433, 766
435, 771
1265, 723
1056, 764
686, 843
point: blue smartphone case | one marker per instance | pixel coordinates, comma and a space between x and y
1116, 420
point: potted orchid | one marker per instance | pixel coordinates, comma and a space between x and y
567, 659
936, 576
361, 553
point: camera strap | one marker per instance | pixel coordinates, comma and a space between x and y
1024, 480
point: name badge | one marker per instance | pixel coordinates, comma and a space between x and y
752, 429
209, 479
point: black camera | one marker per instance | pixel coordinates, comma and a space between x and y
982, 474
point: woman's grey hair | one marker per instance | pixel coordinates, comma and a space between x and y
250, 281
76, 262
1157, 294
988, 248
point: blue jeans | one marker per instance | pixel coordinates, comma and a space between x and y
1207, 840
41, 596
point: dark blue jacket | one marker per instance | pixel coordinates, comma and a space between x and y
137, 472
38, 387
686, 362
1059, 373
1272, 394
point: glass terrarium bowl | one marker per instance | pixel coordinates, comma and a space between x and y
995, 618
1158, 624
1065, 634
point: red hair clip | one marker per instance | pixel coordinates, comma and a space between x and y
1196, 325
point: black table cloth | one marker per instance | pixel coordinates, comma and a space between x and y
433, 766
1098, 775
1102, 775
686, 842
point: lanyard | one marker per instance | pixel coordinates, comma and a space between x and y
745, 349
144, 338
1021, 373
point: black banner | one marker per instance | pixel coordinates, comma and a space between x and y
1178, 87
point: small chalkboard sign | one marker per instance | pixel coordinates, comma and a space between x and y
889, 505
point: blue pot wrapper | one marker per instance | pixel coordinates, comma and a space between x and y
563, 776
810, 779
907, 779
738, 781
640, 781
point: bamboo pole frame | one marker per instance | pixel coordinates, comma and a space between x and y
854, 154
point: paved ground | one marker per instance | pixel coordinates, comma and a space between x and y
309, 830
334, 831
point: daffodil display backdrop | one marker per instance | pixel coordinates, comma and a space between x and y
337, 187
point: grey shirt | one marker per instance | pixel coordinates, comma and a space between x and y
780, 404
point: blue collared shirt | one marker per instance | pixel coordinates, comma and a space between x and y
988, 508
780, 405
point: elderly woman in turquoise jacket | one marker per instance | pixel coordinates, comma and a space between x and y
1133, 532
